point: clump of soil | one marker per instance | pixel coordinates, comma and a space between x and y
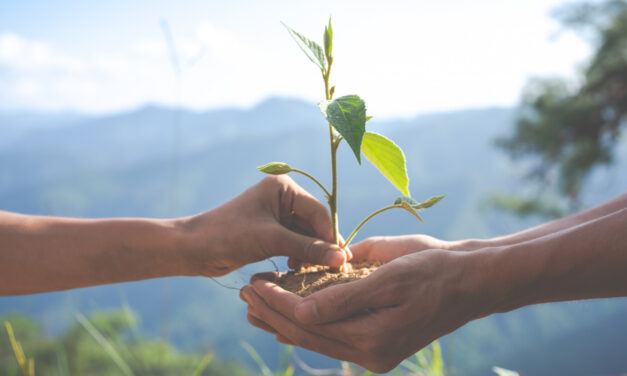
310, 279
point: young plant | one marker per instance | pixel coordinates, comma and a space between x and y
347, 119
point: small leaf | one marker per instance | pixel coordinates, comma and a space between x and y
312, 49
419, 206
332, 91
368, 118
328, 41
388, 158
405, 205
275, 168
430, 202
347, 115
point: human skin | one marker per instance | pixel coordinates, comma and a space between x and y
420, 294
274, 217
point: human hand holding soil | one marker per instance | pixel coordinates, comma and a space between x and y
413, 299
376, 321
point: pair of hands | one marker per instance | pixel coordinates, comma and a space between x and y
418, 295
376, 322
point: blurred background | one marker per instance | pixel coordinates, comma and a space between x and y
161, 109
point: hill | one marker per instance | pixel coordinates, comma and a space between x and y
162, 162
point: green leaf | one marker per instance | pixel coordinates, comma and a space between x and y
388, 158
204, 362
275, 168
430, 202
405, 205
347, 115
328, 41
419, 206
312, 49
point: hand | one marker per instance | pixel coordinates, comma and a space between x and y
387, 248
274, 217
380, 320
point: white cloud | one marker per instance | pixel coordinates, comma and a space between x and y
411, 62
22, 54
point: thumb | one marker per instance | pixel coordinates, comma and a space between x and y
340, 301
307, 249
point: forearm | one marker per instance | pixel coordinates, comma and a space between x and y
581, 262
39, 254
602, 210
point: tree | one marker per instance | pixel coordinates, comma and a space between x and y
566, 128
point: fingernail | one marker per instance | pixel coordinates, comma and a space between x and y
335, 258
306, 311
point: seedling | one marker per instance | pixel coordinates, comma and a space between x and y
347, 120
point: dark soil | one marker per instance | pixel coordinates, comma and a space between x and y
308, 280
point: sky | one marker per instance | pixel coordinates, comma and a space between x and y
402, 57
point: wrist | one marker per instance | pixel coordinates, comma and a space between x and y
504, 278
185, 245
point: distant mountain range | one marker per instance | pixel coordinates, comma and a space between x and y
163, 162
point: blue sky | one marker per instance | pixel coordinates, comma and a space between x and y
402, 57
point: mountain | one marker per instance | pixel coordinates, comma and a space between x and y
162, 162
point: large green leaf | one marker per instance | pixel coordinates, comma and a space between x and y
312, 49
347, 115
388, 158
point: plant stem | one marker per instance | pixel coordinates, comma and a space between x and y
362, 223
334, 144
314, 180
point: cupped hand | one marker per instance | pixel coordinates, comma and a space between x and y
275, 217
387, 248
377, 321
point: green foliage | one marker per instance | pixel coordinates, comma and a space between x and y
388, 158
328, 41
312, 49
347, 115
27, 366
565, 129
347, 119
285, 368
106, 343
426, 362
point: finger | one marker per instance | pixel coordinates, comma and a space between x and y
266, 276
363, 250
346, 300
306, 249
277, 298
314, 214
260, 324
299, 336
284, 302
